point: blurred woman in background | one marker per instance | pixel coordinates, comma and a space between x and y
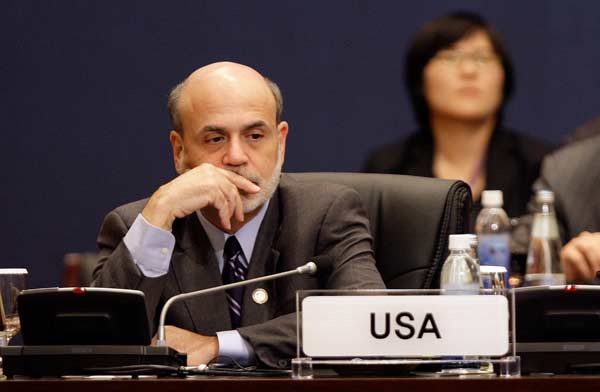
459, 76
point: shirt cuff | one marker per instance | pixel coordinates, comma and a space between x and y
151, 247
233, 346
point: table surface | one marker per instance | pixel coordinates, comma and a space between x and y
348, 384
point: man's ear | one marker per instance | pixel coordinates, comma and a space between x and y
282, 129
178, 153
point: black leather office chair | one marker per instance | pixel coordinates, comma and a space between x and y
411, 218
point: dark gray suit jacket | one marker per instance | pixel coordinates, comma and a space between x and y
573, 173
303, 220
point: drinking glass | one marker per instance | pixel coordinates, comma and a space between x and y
493, 277
12, 282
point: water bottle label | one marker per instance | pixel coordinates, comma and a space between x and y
494, 249
544, 226
460, 288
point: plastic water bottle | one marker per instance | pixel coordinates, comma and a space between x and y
460, 273
460, 276
543, 258
493, 232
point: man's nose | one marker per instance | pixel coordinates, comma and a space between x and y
235, 154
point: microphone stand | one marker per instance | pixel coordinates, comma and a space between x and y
308, 268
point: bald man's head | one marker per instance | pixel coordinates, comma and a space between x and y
226, 115
219, 75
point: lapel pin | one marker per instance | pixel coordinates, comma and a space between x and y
260, 296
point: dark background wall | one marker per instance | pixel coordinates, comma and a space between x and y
84, 84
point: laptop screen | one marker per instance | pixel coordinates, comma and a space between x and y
83, 316
558, 314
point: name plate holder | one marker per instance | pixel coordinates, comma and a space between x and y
402, 332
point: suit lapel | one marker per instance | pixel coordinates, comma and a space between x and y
195, 267
264, 262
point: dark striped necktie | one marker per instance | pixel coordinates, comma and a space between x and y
235, 268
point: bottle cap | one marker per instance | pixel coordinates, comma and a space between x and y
13, 271
460, 242
491, 198
492, 269
472, 238
544, 196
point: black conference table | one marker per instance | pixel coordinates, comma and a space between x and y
325, 383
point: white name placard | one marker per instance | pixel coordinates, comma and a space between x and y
405, 325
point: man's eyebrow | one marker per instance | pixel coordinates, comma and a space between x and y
213, 128
256, 124
221, 130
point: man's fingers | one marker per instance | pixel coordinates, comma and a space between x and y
588, 245
222, 205
200, 349
575, 265
241, 183
239, 208
175, 338
208, 185
235, 202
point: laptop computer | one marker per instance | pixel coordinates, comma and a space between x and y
82, 330
558, 329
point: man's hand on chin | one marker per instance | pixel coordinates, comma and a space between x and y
200, 349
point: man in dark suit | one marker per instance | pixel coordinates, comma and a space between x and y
573, 174
231, 215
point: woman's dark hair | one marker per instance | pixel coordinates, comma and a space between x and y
441, 33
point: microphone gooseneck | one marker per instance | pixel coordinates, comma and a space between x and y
308, 268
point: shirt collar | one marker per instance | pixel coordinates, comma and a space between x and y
246, 235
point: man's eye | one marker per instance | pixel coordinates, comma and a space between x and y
215, 139
256, 136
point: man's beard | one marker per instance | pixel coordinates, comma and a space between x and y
251, 202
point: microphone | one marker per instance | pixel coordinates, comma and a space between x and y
308, 268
